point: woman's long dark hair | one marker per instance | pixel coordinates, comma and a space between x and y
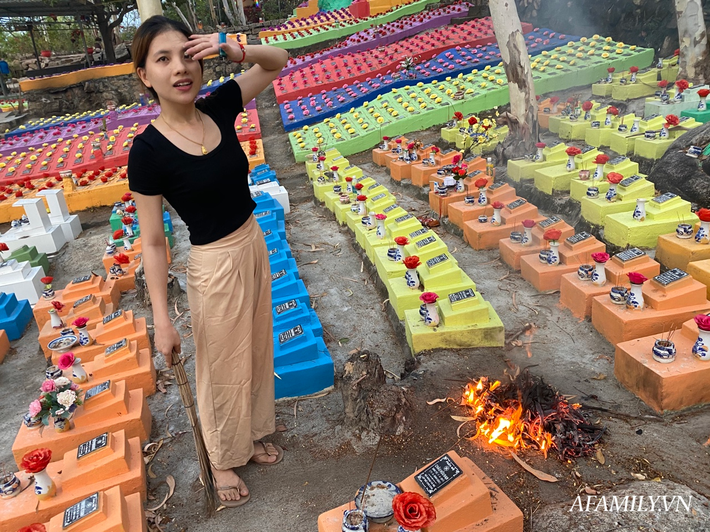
144, 36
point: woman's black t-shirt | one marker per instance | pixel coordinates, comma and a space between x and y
209, 192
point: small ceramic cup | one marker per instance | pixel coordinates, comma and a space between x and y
694, 152
516, 237
483, 219
543, 255
592, 192
53, 372
650, 135
9, 486
344, 199
392, 254
584, 175
30, 422
618, 295
584, 272
469, 200
337, 189
664, 351
684, 231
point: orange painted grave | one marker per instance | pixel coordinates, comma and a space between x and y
4, 345
470, 502
112, 408
674, 252
137, 250
109, 460
80, 287
116, 512
673, 386
460, 211
671, 299
400, 170
88, 307
578, 295
511, 252
123, 361
421, 174
486, 235
574, 251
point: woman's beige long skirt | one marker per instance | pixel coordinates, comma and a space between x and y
229, 290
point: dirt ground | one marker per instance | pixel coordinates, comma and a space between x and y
325, 462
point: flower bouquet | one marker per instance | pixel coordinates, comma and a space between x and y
58, 401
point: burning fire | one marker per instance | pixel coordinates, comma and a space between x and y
528, 414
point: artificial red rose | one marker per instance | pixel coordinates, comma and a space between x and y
131, 209
127, 220
434, 149
611, 69
121, 258
383, 138
80, 322
703, 322
333, 168
587, 106
118, 234
663, 84
703, 93
349, 179
410, 146
602, 158
398, 141
637, 278
458, 115
361, 197
600, 257
401, 240
672, 120
472, 120
481, 182
83, 182
540, 145
528, 223
573, 151
554, 100
413, 511
126, 197
614, 178
3, 246
35, 527
611, 110
66, 361
47, 280
704, 215
36, 461
411, 262
498, 205
682, 85
358, 186
58, 305
429, 297
456, 159
634, 69
552, 234
18, 194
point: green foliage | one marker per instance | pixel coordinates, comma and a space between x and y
332, 5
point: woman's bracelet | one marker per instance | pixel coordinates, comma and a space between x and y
244, 53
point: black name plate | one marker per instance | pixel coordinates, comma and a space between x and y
419, 232
273, 251
629, 254
379, 197
671, 276
295, 332
462, 295
81, 301
96, 390
83, 279
257, 193
391, 208
474, 174
438, 475
278, 275
80, 510
403, 218
618, 160
115, 347
588, 148
515, 204
283, 307
630, 180
426, 241
664, 197
550, 221
262, 214
579, 237
113, 316
437, 260
267, 232
90, 446
374, 185
496, 186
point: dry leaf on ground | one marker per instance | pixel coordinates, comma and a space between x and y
536, 472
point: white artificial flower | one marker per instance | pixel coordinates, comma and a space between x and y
62, 381
66, 398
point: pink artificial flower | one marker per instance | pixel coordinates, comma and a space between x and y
35, 407
49, 386
65, 361
429, 297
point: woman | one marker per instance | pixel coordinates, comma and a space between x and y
190, 156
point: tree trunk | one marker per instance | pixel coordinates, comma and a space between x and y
106, 34
693, 41
182, 17
240, 12
516, 61
228, 12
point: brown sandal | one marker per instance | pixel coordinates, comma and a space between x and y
243, 499
269, 450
